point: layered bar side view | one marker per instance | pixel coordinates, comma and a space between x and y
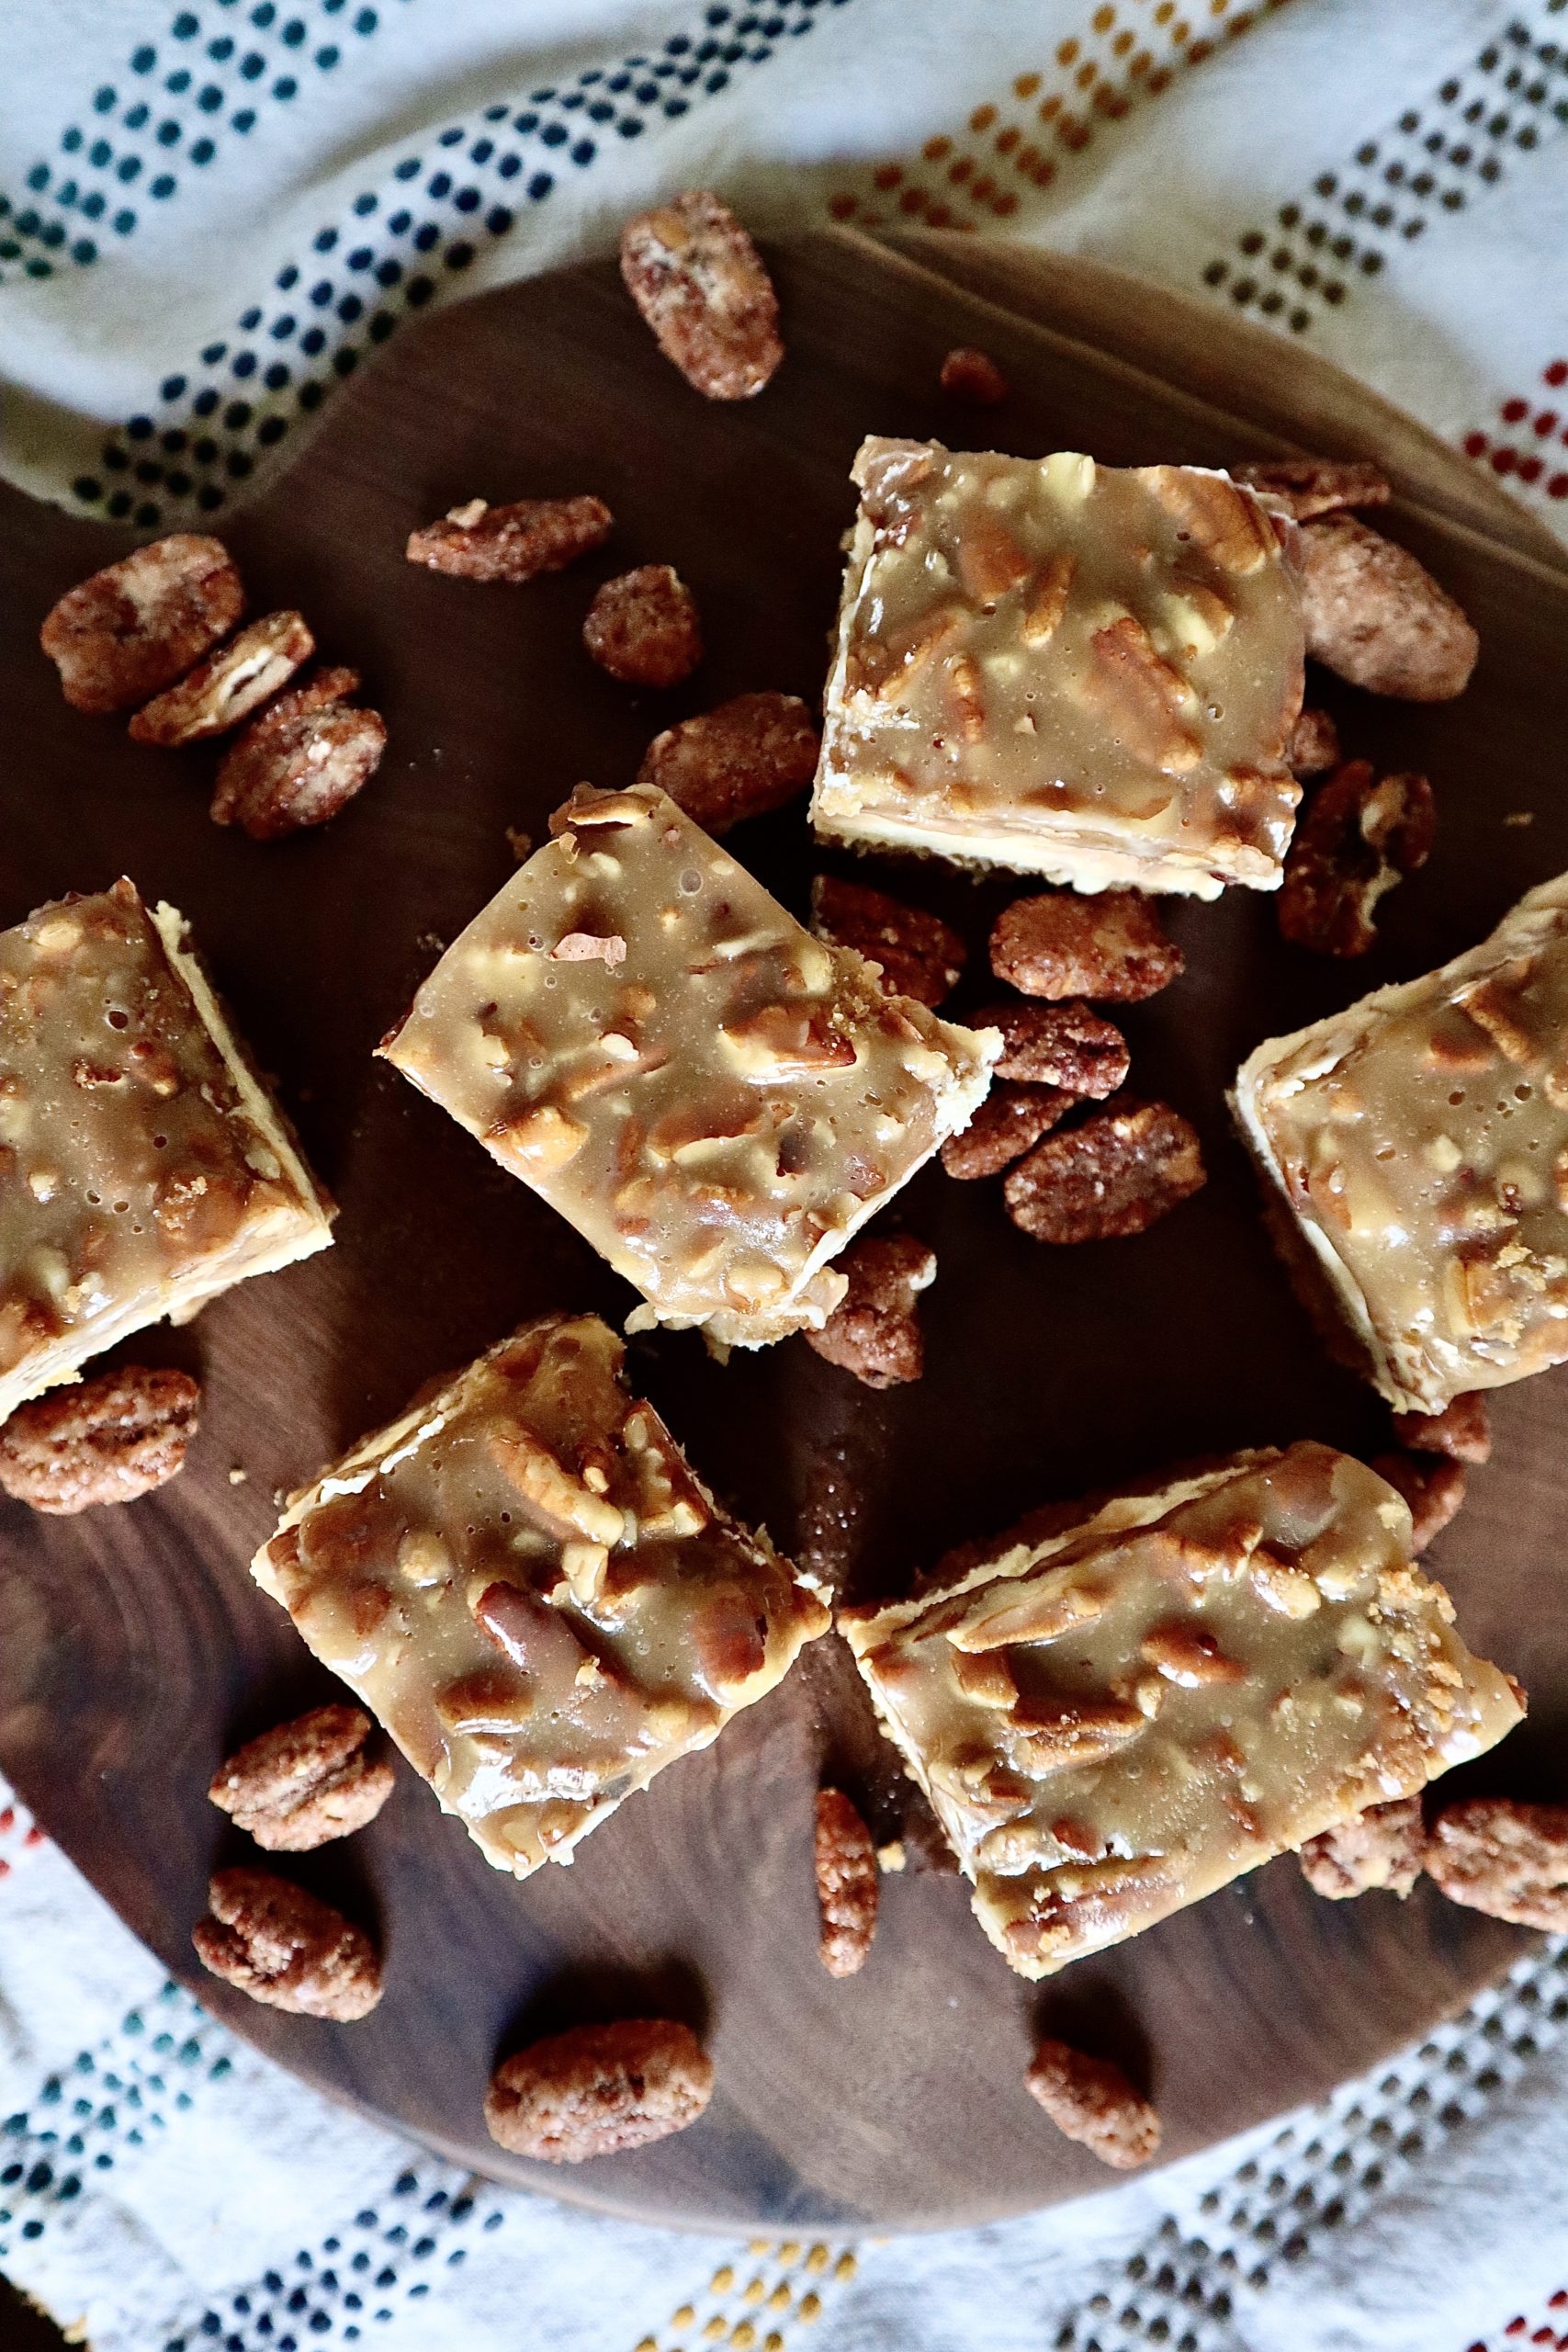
1114, 1720
524, 1579
143, 1166
716, 1100
1077, 671
1417, 1144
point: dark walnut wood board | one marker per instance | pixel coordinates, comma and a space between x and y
134, 1650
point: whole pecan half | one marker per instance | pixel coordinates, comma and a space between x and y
1433, 1488
919, 955
972, 375
514, 542
1110, 947
285, 1947
1010, 1118
301, 761
101, 1440
1384, 1846
644, 627
1116, 1175
1462, 1430
1063, 1045
873, 1331
1314, 744
1509, 1860
304, 1782
749, 756
1377, 618
228, 684
1361, 834
699, 282
138, 624
598, 2090
845, 1862
1092, 2101
1309, 486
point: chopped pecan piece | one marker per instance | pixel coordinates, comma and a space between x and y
230, 685
1010, 1118
699, 282
919, 955
1062, 1044
514, 542
873, 1331
644, 627
1188, 1655
1385, 1846
301, 761
1092, 2101
1462, 1430
1377, 618
137, 626
1309, 486
846, 1883
752, 754
304, 1782
1116, 1174
1112, 947
1359, 835
1314, 744
1508, 1859
598, 2090
1141, 698
1433, 1488
102, 1441
974, 376
285, 1947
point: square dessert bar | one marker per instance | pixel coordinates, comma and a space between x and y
525, 1582
143, 1167
1067, 669
714, 1098
1419, 1142
1115, 1719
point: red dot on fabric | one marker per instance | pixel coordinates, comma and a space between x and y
1546, 422
1513, 411
9, 1818
34, 1836
4, 1870
1517, 2326
1530, 468
1544, 2336
1560, 2300
1557, 486
1475, 445
1502, 461
1557, 373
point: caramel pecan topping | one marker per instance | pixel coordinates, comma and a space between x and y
1112, 947
846, 1883
1462, 1430
1384, 1846
598, 2090
918, 955
1359, 835
301, 761
1219, 521
103, 1440
137, 626
873, 1331
1433, 1489
1062, 1044
305, 1783
974, 376
1311, 486
1508, 1859
1010, 1118
1377, 617
1143, 701
230, 685
514, 542
1116, 1175
272, 1940
749, 755
1092, 2101
644, 627
699, 282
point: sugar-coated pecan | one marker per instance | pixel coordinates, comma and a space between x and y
1359, 834
228, 684
644, 627
1385, 1846
137, 626
1309, 486
845, 1861
101, 1440
1116, 1174
1092, 2101
1063, 1045
286, 1947
1462, 1430
873, 1331
1376, 616
699, 282
514, 542
1433, 1488
1110, 947
919, 955
1314, 744
598, 2090
301, 761
1506, 1859
972, 375
752, 754
1011, 1117
304, 1782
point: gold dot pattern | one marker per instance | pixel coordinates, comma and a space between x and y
787, 2283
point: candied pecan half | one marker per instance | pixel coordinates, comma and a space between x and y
1092, 2101
644, 627
1010, 1118
1062, 1044
304, 1782
1309, 486
301, 761
138, 624
1385, 1846
1112, 947
1359, 835
514, 542
1508, 1859
919, 955
752, 754
1116, 1175
873, 1331
1462, 1430
287, 1947
1433, 1488
846, 1883
228, 684
1377, 618
1314, 744
699, 282
972, 375
101, 1440
598, 2090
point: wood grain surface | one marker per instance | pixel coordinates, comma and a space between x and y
134, 1650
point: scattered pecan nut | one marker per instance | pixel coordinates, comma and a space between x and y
699, 282
873, 1331
1462, 1430
102, 1441
301, 761
845, 1861
1116, 1175
1359, 835
1314, 744
1112, 947
598, 2090
514, 542
228, 684
919, 955
1011, 1117
286, 1947
974, 376
1433, 1488
304, 1782
1310, 486
644, 627
1378, 619
752, 754
1508, 1859
1063, 1045
1384, 1846
1092, 2101
137, 626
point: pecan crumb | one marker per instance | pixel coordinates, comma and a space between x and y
304, 1782
873, 1331
918, 954
1092, 2101
301, 761
1508, 1859
1314, 744
749, 756
1359, 835
228, 684
138, 624
643, 627
1116, 1175
972, 375
1112, 947
1384, 1846
514, 542
1433, 1488
599, 2088
699, 282
1378, 619
285, 1947
101, 1440
1309, 486
846, 1883
1462, 1430
1011, 1117
1063, 1045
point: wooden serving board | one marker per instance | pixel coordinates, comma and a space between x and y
134, 1650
